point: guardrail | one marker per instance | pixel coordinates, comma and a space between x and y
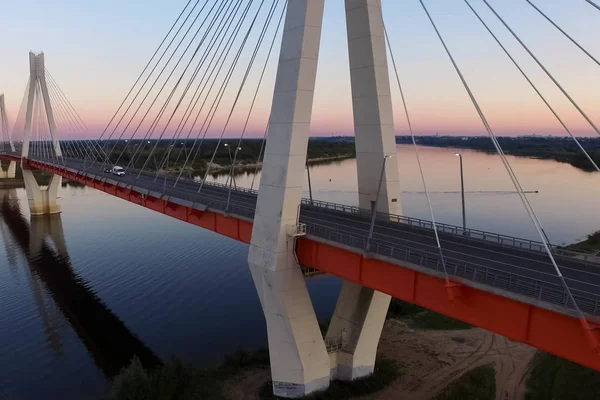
547, 291
473, 234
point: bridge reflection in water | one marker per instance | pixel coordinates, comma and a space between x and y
111, 344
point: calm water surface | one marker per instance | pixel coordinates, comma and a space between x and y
117, 277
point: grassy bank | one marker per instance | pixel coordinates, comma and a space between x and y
592, 243
421, 318
476, 384
555, 378
175, 380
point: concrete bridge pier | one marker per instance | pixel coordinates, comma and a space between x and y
10, 172
299, 360
360, 312
42, 200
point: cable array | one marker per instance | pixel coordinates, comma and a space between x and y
195, 84
530, 211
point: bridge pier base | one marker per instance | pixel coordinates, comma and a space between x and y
358, 320
42, 201
10, 172
299, 360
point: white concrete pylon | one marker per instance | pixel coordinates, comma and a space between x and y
299, 360
37, 78
372, 106
5, 136
7, 144
360, 312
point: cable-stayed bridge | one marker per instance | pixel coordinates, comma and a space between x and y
209, 71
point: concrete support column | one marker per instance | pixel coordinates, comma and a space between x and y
372, 106
42, 201
5, 137
33, 81
358, 320
299, 360
360, 312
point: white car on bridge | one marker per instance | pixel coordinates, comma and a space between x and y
116, 170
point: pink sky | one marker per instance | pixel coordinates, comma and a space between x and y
95, 60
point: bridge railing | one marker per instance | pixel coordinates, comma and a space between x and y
548, 290
473, 234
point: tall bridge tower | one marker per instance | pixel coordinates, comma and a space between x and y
41, 201
300, 363
6, 142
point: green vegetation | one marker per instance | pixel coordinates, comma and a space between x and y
386, 372
174, 157
592, 243
421, 318
561, 149
555, 378
476, 384
175, 380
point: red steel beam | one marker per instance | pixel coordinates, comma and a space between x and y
547, 330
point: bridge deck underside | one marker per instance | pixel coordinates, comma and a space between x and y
500, 287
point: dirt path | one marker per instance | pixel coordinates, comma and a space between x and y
430, 361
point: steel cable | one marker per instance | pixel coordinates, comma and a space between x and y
181, 57
563, 32
181, 41
242, 85
412, 134
513, 177
262, 74
533, 86
214, 106
185, 91
583, 114
152, 71
200, 89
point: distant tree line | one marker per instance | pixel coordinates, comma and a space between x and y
561, 149
170, 156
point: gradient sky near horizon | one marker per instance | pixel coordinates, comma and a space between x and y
95, 51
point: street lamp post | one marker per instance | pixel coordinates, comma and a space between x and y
375, 203
230, 163
309, 183
231, 170
462, 191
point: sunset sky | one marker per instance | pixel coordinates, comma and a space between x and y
95, 50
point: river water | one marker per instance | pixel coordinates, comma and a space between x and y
117, 277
